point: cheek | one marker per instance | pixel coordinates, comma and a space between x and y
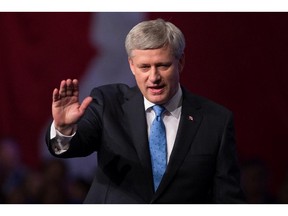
141, 76
173, 78
140, 79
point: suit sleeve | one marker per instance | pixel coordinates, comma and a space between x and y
227, 186
88, 134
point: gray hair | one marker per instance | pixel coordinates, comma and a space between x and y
155, 34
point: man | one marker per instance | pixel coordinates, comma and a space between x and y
197, 161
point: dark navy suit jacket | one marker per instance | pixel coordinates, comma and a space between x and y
203, 164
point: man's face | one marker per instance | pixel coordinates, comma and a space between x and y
157, 73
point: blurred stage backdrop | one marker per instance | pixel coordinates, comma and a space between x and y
239, 60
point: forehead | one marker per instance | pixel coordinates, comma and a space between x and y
159, 54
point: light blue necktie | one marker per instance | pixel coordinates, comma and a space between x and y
158, 146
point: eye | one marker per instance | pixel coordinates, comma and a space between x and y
164, 66
144, 68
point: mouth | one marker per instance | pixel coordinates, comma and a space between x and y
156, 90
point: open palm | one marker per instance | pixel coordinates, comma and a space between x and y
66, 109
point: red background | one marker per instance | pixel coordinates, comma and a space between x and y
241, 61
236, 59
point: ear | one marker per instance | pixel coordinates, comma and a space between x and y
132, 66
181, 63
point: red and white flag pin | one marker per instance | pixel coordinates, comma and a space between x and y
190, 118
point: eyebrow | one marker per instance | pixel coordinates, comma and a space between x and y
157, 64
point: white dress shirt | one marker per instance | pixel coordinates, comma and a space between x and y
171, 118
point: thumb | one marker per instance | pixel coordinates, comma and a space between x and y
85, 104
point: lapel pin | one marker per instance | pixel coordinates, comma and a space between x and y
190, 118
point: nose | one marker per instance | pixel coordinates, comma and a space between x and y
154, 75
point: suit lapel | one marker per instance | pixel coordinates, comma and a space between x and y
135, 114
190, 120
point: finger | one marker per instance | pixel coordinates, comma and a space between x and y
62, 89
55, 95
75, 84
69, 87
85, 104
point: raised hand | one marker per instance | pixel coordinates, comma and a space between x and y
66, 109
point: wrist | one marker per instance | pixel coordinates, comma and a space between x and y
66, 130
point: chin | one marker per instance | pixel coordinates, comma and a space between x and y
157, 100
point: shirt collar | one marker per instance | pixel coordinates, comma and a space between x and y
171, 106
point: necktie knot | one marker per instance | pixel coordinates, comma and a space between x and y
158, 111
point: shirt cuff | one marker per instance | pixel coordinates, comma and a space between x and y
60, 143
